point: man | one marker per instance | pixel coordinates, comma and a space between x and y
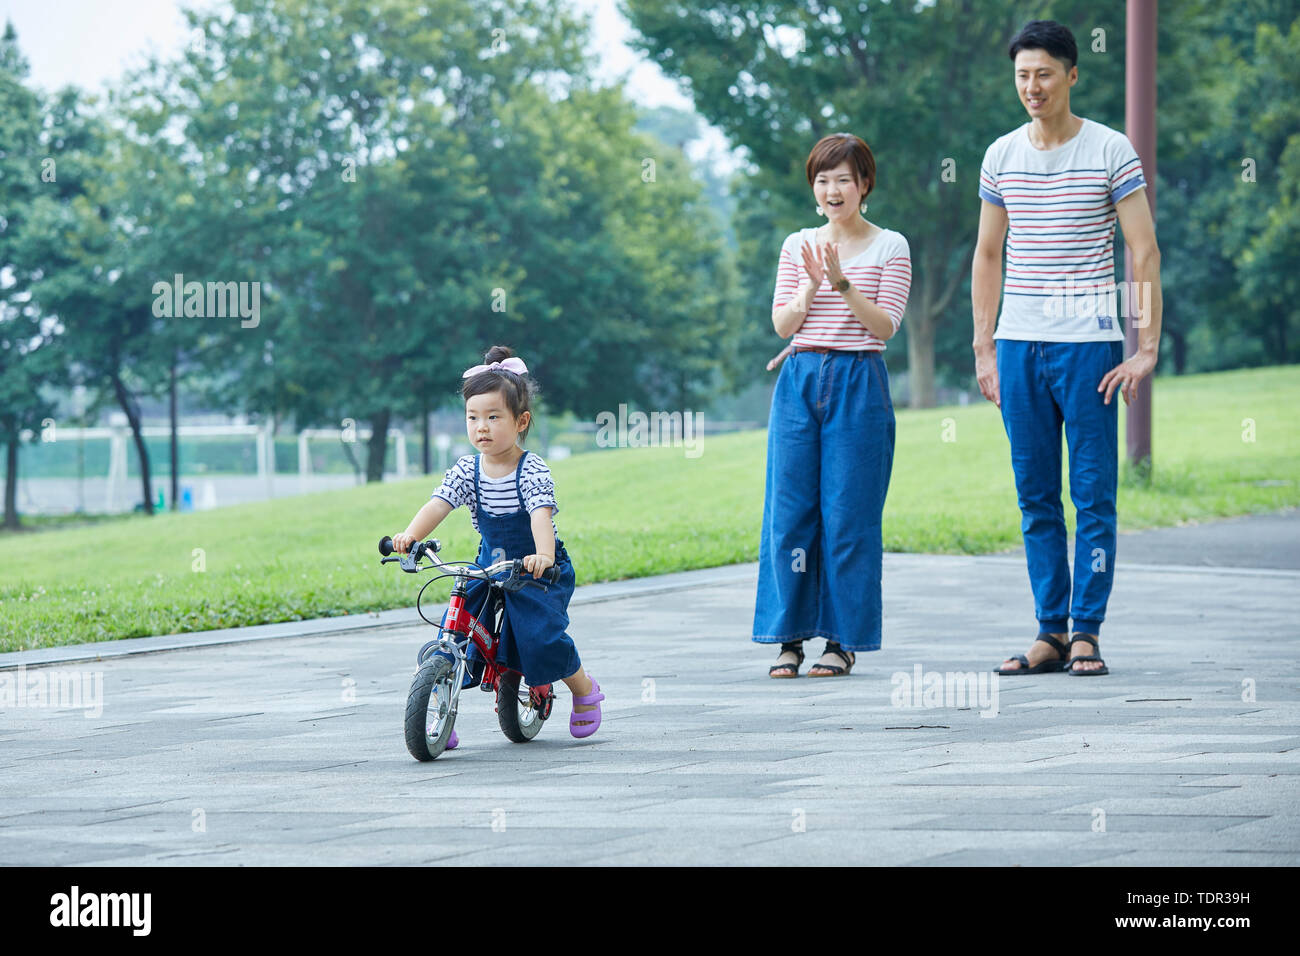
1059, 184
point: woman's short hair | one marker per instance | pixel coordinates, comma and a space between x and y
837, 148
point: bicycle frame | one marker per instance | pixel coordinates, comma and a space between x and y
460, 624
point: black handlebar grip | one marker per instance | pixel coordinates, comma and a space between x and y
385, 545
551, 575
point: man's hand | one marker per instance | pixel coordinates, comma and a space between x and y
538, 563
986, 371
1126, 375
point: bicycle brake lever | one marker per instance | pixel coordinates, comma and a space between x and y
515, 580
405, 562
409, 562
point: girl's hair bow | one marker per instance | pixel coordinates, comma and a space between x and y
512, 364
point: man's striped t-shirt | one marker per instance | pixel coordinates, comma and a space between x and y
498, 494
882, 272
1059, 282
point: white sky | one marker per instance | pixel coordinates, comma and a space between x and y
90, 42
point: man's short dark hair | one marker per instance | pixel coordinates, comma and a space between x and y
1047, 35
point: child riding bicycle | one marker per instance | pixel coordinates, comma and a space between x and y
511, 497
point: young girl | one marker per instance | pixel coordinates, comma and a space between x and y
511, 498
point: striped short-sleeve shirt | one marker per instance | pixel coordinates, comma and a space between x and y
882, 272
1059, 281
498, 494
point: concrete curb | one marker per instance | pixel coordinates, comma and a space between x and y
1019, 561
585, 594
401, 617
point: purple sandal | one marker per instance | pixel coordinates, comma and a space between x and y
584, 724
452, 742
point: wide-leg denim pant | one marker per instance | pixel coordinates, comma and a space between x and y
1044, 386
830, 448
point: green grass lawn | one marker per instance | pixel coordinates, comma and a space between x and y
624, 513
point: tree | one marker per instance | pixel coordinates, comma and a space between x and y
1226, 120
927, 86
1260, 206
28, 362
92, 277
410, 187
339, 167
171, 235
625, 285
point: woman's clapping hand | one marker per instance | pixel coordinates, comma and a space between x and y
812, 264
822, 262
831, 261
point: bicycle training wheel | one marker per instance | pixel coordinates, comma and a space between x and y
520, 720
429, 718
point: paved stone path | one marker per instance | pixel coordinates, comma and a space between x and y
290, 750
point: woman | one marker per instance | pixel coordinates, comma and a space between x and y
840, 292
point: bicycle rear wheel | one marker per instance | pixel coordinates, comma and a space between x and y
429, 718
520, 719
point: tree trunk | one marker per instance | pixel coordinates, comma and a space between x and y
1180, 350
921, 318
920, 360
175, 441
424, 437
11, 484
377, 448
132, 411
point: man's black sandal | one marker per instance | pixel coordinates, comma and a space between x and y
1045, 667
834, 670
1095, 656
788, 670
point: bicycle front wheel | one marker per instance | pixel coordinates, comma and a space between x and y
429, 717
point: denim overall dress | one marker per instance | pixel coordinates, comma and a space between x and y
533, 636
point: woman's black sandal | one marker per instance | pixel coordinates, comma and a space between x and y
788, 670
1042, 667
834, 670
1094, 656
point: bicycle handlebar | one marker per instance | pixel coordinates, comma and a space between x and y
386, 545
429, 549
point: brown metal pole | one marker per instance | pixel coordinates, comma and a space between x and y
175, 446
1140, 124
